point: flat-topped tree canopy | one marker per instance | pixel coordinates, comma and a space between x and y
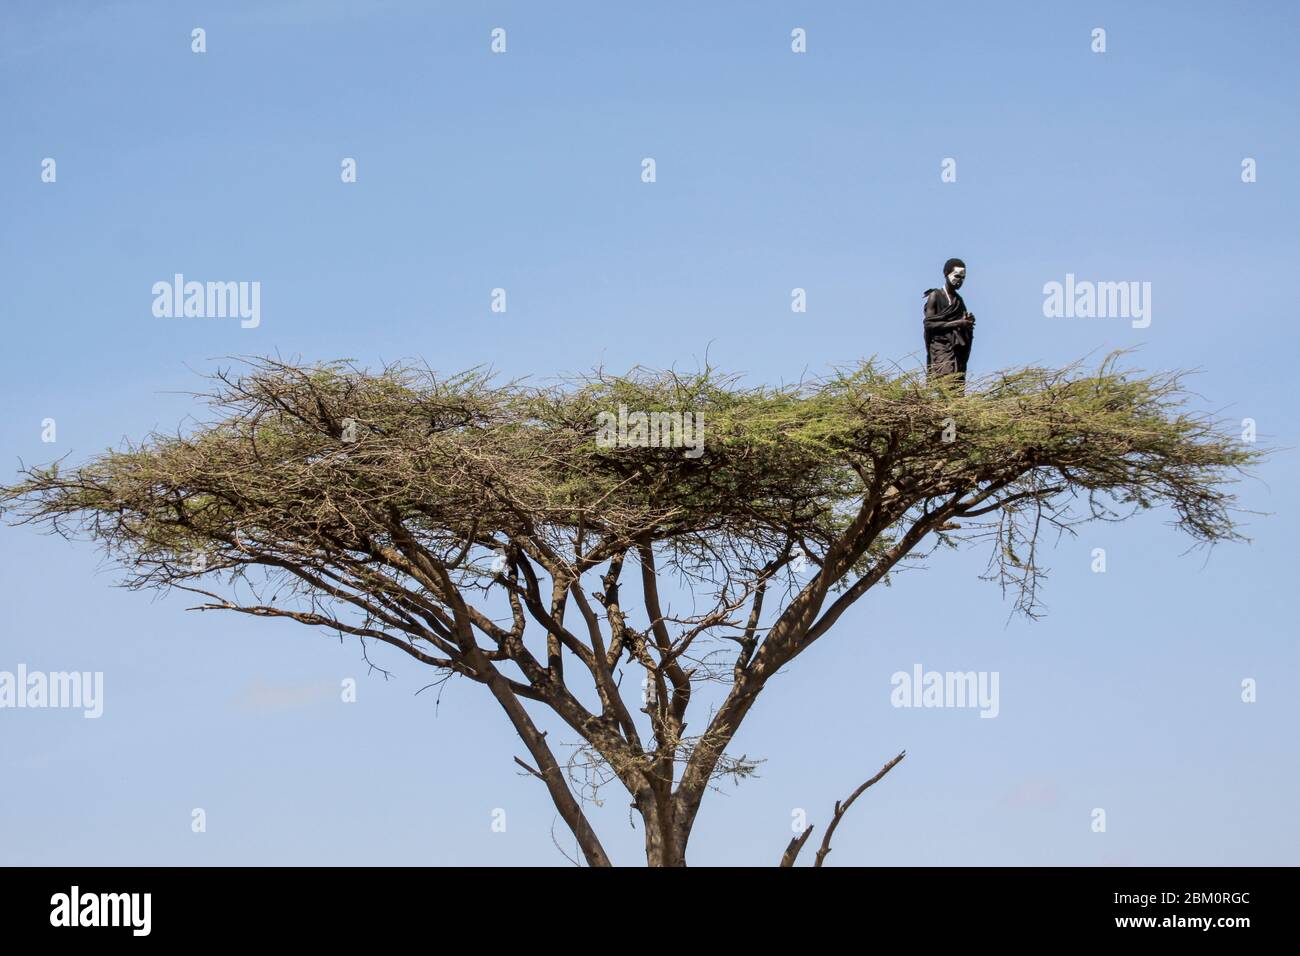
389, 504
331, 453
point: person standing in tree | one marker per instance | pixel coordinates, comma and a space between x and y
949, 328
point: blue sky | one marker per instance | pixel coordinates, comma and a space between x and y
775, 170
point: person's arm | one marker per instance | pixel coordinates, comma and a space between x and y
934, 321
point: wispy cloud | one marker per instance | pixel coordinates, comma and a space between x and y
263, 698
1040, 794
305, 12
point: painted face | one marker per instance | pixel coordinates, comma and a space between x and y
957, 276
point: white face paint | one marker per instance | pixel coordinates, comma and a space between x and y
957, 277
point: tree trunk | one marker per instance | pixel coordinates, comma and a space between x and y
665, 844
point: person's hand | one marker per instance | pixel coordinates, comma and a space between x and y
970, 320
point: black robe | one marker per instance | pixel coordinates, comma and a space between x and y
947, 340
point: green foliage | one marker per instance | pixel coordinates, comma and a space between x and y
465, 455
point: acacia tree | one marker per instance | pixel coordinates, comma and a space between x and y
485, 531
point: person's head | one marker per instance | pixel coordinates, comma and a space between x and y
954, 272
